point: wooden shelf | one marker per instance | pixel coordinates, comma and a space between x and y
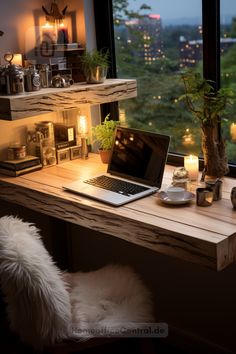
48, 100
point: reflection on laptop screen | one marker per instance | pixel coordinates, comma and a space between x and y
139, 155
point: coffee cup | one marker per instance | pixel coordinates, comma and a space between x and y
175, 193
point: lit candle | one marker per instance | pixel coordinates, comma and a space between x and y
233, 131
49, 34
191, 165
17, 59
62, 34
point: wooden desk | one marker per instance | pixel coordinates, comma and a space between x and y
206, 236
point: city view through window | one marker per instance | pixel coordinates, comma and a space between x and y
155, 41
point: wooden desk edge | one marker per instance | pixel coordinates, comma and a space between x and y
213, 255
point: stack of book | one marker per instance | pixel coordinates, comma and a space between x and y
20, 167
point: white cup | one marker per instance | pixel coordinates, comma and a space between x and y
175, 193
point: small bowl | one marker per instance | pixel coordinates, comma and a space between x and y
175, 193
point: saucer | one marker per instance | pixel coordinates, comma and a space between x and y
188, 197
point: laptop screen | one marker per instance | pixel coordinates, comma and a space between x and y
139, 155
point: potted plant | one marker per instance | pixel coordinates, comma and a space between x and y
95, 65
104, 134
207, 106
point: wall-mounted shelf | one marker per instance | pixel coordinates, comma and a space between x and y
48, 100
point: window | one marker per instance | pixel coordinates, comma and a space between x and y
153, 44
228, 70
178, 44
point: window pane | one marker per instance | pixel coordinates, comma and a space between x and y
153, 44
228, 71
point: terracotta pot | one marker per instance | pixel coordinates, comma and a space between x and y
105, 155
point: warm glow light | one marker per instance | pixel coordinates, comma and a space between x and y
47, 25
191, 164
17, 59
61, 25
49, 33
82, 125
188, 138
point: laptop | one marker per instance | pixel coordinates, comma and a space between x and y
135, 169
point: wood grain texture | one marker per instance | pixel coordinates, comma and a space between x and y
49, 100
201, 235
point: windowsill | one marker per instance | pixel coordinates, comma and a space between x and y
178, 160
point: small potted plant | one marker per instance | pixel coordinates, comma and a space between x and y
95, 65
103, 134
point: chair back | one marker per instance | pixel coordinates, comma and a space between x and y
38, 304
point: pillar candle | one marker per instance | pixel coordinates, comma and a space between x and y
49, 34
62, 34
191, 164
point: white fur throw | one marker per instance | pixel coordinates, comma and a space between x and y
38, 303
42, 309
107, 300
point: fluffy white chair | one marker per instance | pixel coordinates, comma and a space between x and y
46, 306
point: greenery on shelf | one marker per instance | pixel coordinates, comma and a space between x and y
90, 60
104, 132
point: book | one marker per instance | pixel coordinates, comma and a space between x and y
16, 173
17, 165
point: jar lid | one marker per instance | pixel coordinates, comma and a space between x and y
180, 173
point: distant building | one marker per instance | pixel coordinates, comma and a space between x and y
148, 27
190, 51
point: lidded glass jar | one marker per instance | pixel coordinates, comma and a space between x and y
181, 178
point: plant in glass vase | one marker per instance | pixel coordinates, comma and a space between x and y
95, 64
104, 135
208, 106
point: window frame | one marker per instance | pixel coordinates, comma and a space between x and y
103, 15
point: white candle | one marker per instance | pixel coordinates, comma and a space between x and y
233, 131
191, 164
49, 34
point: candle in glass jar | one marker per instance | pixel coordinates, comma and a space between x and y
82, 126
191, 164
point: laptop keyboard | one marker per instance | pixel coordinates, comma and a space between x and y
116, 185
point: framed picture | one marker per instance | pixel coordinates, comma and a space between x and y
75, 152
63, 155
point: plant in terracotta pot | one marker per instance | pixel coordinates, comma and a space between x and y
207, 106
104, 135
94, 65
